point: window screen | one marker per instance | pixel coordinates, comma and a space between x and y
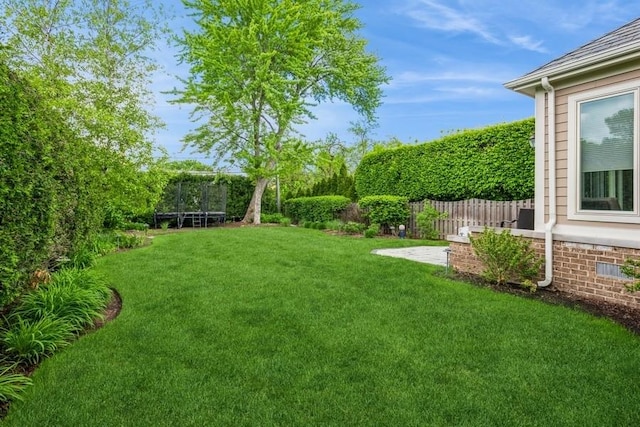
606, 153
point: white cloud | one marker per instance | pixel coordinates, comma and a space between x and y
411, 78
437, 16
471, 18
526, 42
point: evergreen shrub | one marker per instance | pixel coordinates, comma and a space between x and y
315, 209
385, 210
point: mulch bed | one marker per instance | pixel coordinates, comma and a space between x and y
625, 316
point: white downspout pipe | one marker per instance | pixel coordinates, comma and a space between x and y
551, 138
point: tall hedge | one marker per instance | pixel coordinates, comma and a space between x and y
318, 208
27, 187
47, 190
494, 163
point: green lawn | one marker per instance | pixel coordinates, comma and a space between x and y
286, 326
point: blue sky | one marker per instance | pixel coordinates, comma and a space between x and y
447, 60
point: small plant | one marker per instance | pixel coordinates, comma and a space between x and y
82, 257
137, 226
164, 225
353, 227
425, 221
103, 243
631, 268
335, 225
505, 257
128, 240
372, 231
11, 384
530, 285
274, 218
75, 296
30, 341
285, 222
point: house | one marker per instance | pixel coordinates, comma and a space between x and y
587, 176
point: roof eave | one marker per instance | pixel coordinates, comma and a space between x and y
527, 84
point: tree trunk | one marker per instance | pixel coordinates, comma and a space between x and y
255, 206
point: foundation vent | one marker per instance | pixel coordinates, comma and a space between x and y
610, 270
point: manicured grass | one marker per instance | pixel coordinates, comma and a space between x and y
286, 326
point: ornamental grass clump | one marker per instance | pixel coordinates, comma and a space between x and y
75, 296
29, 341
505, 257
12, 384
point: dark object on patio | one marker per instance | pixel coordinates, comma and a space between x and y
525, 220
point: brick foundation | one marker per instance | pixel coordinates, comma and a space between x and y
574, 268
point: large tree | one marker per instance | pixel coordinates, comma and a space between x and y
257, 68
89, 60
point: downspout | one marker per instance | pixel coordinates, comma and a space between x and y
548, 228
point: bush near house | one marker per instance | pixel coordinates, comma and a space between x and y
506, 258
494, 163
315, 209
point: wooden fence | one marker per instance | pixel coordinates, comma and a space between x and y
473, 212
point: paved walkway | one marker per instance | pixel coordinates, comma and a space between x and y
426, 254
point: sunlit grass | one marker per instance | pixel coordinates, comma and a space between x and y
286, 326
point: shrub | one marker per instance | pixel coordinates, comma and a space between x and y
353, 227
385, 210
12, 384
335, 225
372, 231
136, 226
125, 240
425, 220
320, 208
267, 218
103, 243
31, 340
285, 222
494, 163
505, 257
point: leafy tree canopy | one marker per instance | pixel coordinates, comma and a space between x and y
89, 61
256, 69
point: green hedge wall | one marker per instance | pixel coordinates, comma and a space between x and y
27, 187
48, 195
494, 163
319, 208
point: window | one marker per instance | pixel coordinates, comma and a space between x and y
603, 166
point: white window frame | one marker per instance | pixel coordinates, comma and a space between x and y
573, 170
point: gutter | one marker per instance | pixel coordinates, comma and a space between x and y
569, 69
548, 228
